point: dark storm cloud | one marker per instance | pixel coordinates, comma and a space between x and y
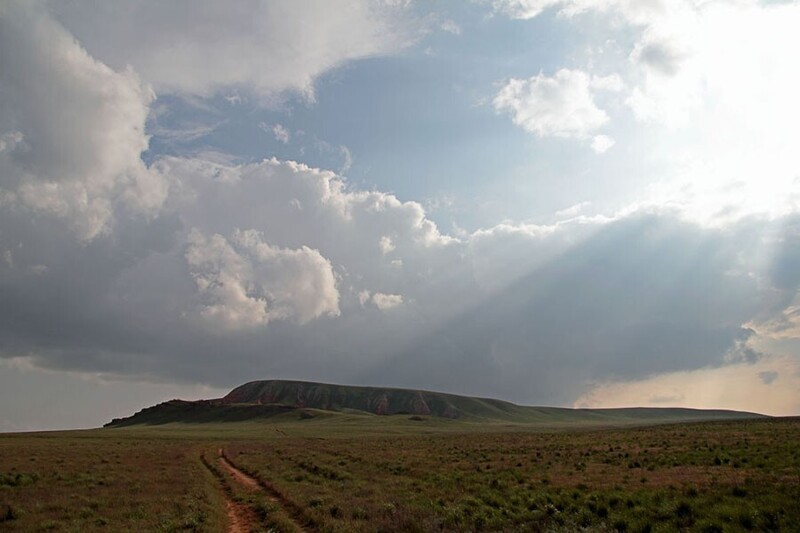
642, 295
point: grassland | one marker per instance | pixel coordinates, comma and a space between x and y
79, 481
368, 473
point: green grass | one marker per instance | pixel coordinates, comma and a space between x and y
356, 472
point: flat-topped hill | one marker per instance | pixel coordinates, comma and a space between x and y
265, 399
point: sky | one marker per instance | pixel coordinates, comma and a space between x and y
581, 203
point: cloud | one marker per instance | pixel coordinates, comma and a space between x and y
532, 313
560, 106
718, 109
573, 210
347, 157
523, 9
767, 376
246, 282
281, 133
662, 56
633, 11
72, 135
9, 141
451, 26
385, 302
611, 83
385, 244
263, 46
601, 143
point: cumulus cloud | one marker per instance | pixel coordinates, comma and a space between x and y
451, 26
612, 82
386, 301
72, 128
265, 46
560, 105
281, 133
386, 244
523, 9
10, 140
601, 143
634, 11
230, 266
767, 376
246, 282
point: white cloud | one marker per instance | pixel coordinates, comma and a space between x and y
601, 143
386, 244
353, 229
523, 9
347, 157
612, 83
245, 282
363, 297
281, 133
634, 11
265, 46
223, 278
9, 141
573, 210
80, 126
451, 26
211, 193
560, 106
384, 302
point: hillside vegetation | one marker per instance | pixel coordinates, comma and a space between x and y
267, 399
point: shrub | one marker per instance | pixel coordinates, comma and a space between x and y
746, 521
359, 513
683, 510
711, 527
315, 502
9, 514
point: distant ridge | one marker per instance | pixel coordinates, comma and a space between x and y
375, 400
265, 399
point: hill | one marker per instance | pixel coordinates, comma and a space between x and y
266, 399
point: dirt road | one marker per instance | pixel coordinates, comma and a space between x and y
242, 517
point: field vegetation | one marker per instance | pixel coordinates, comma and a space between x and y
344, 472
95, 480
718, 476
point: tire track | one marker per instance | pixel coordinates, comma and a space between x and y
241, 518
293, 511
